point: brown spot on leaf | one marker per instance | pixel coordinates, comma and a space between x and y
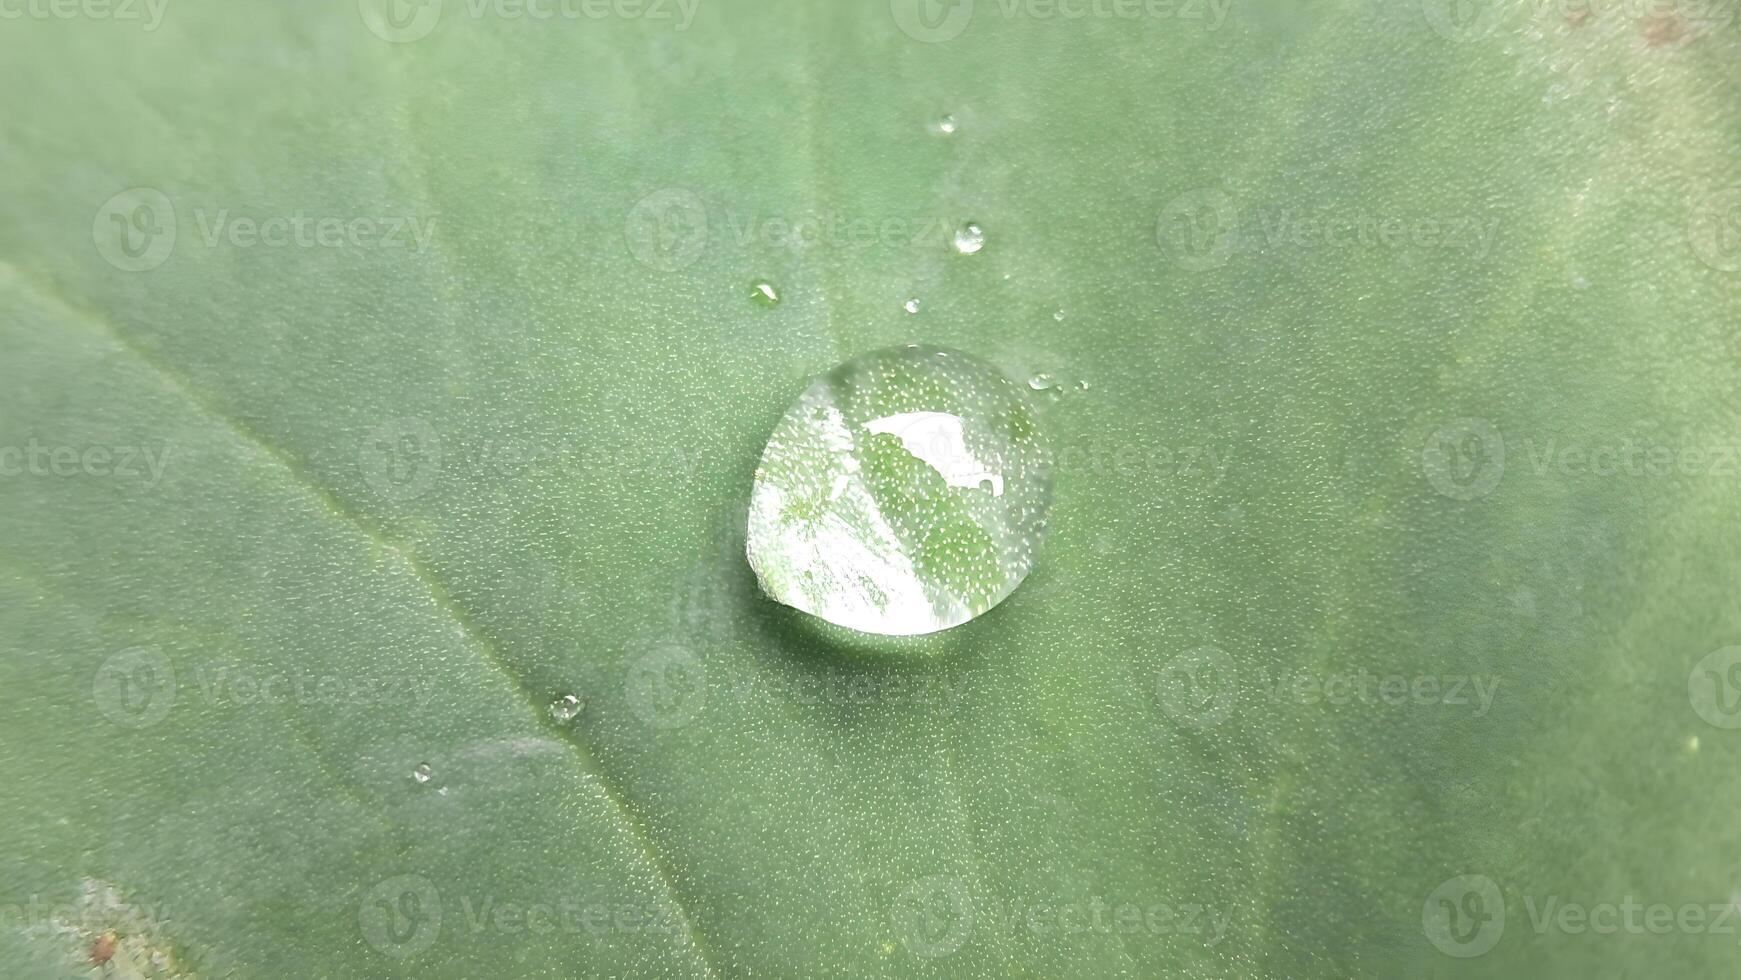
1660, 30
103, 948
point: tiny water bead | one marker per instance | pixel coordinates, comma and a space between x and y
904, 492
422, 772
945, 125
763, 292
1044, 383
565, 708
911, 306
969, 238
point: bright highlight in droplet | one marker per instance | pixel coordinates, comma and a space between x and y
904, 492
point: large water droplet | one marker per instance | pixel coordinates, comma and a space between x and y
969, 238
904, 492
565, 708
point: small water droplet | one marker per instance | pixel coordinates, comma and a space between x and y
422, 772
565, 708
1042, 382
764, 293
969, 238
945, 125
913, 503
911, 306
1059, 316
1081, 386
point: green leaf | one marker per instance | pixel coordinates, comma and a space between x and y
370, 379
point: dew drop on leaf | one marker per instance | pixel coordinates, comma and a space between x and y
565, 708
422, 772
969, 238
763, 292
904, 492
945, 125
911, 306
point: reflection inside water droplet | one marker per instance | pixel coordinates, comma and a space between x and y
565, 708
905, 492
969, 238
